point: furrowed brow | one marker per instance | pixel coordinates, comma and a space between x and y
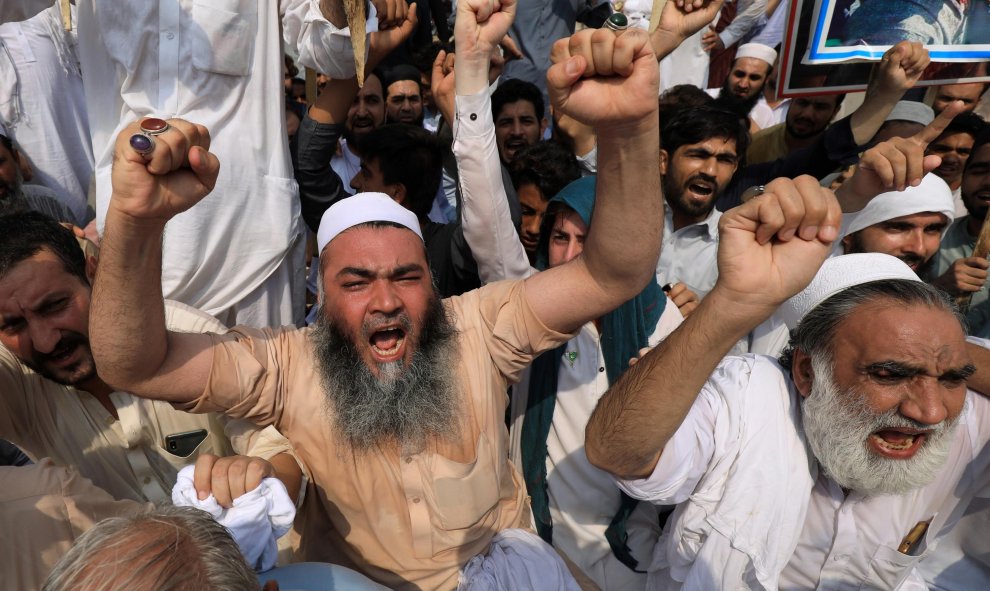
358, 271
959, 373
895, 368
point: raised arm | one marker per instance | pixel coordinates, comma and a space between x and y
680, 19
896, 73
610, 82
131, 346
769, 249
485, 217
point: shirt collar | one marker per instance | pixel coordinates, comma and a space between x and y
710, 223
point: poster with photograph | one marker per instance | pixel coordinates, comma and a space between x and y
952, 30
812, 22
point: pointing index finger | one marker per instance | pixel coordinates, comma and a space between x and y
936, 127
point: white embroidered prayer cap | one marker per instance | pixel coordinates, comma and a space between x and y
361, 209
839, 273
758, 51
932, 195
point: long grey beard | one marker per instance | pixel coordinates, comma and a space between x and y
838, 425
403, 405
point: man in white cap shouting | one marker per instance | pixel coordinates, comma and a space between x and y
744, 83
395, 399
841, 465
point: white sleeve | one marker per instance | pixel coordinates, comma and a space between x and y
746, 18
686, 456
317, 43
485, 217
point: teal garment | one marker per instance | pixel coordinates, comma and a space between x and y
957, 244
624, 332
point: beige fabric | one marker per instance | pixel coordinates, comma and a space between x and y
407, 521
43, 509
125, 457
768, 145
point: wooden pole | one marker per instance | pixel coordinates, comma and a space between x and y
63, 5
981, 250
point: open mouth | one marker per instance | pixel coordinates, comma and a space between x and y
702, 188
63, 355
897, 443
387, 343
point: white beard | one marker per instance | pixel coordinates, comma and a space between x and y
838, 425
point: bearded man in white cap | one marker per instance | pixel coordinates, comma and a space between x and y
396, 400
837, 467
744, 83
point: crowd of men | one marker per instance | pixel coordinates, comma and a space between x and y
489, 300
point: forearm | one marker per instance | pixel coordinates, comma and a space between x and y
288, 471
127, 313
744, 22
319, 185
638, 415
485, 217
867, 119
628, 202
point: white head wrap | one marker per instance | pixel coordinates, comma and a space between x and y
360, 209
839, 273
933, 195
758, 51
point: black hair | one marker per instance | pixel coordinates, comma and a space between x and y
407, 155
980, 141
967, 122
23, 235
547, 165
515, 90
697, 124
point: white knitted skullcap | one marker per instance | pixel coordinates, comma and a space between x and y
912, 111
933, 195
758, 51
839, 273
360, 209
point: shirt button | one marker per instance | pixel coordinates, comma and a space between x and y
601, 369
416, 499
147, 480
474, 116
408, 460
840, 557
170, 35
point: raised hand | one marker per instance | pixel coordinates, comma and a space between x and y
481, 25
964, 276
442, 84
894, 164
604, 79
771, 246
230, 477
178, 173
392, 13
679, 20
385, 40
900, 68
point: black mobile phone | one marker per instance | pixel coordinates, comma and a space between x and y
183, 444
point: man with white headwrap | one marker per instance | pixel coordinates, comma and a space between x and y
395, 399
743, 85
837, 467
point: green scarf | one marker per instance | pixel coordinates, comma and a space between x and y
624, 332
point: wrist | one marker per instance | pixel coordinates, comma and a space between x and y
120, 219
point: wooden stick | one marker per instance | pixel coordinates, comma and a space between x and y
63, 5
982, 249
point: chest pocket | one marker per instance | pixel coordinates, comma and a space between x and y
222, 35
889, 568
464, 492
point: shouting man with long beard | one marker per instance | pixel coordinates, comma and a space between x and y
839, 466
396, 401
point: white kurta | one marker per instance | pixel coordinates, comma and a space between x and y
43, 108
218, 64
740, 462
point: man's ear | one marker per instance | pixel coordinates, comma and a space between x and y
91, 261
847, 243
398, 193
664, 159
802, 372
